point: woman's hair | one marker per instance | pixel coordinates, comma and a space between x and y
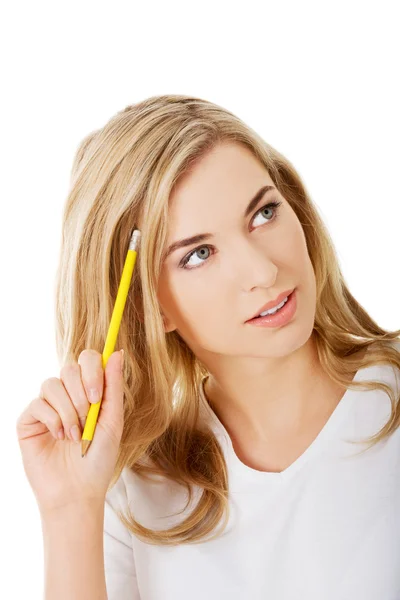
124, 174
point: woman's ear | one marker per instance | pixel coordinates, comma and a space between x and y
167, 326
165, 323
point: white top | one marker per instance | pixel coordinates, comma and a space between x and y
327, 527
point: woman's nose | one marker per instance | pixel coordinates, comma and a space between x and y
254, 267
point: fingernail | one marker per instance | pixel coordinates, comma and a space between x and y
122, 359
76, 436
82, 421
93, 395
60, 434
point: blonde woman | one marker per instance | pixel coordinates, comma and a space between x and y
236, 456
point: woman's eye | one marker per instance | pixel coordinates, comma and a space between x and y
264, 212
200, 253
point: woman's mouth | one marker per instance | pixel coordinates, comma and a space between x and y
280, 316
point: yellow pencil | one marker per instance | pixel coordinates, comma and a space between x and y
90, 425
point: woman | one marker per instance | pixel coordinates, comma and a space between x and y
231, 458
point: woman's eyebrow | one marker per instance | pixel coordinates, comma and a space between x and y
201, 237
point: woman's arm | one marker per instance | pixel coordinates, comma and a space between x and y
73, 553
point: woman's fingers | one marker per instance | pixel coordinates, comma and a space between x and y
70, 375
92, 374
39, 417
54, 392
65, 402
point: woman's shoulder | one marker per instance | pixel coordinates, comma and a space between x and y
156, 502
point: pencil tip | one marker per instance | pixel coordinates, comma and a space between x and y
85, 446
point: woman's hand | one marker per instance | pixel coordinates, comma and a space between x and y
57, 472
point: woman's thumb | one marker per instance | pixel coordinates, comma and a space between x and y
113, 392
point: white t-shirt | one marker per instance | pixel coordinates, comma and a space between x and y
326, 528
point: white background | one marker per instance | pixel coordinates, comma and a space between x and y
318, 81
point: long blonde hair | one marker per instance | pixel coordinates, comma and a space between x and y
124, 174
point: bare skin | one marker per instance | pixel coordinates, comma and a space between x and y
266, 385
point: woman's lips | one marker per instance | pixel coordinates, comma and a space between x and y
281, 317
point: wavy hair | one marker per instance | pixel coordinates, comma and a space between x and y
123, 174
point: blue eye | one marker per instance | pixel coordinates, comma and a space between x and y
271, 206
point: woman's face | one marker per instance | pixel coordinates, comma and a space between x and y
246, 261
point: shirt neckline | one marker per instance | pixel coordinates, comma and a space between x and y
246, 473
